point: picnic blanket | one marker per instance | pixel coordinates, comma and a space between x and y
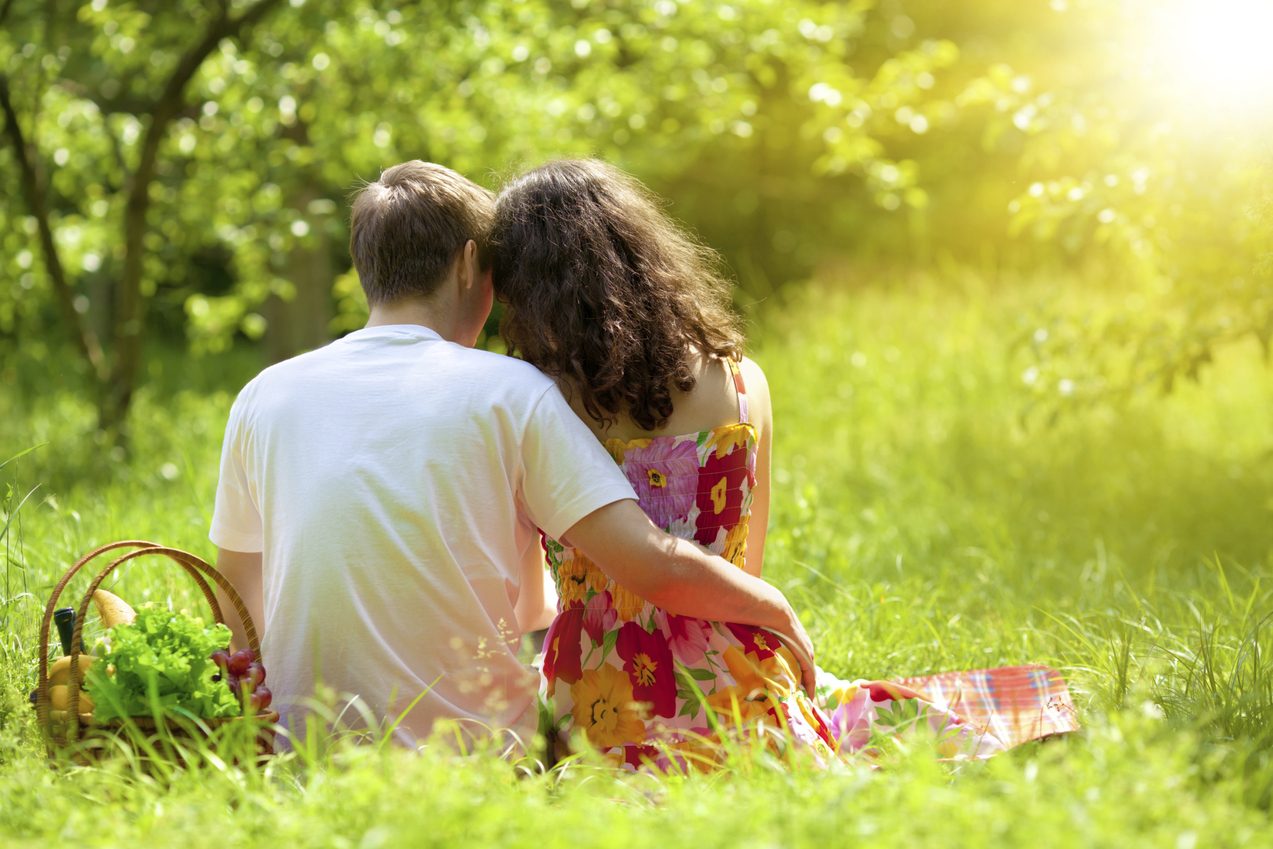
970, 714
1014, 703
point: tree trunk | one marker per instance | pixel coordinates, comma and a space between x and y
301, 323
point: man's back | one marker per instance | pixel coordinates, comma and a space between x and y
393, 482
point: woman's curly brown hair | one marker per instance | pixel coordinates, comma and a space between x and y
602, 288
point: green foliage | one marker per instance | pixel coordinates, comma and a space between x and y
254, 154
789, 135
161, 666
1158, 186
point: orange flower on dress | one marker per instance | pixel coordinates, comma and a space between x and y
597, 579
626, 604
783, 671
698, 749
604, 707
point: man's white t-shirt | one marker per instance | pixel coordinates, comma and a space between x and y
393, 482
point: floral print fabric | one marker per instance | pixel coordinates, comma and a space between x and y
651, 689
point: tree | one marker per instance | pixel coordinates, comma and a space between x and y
167, 60
179, 177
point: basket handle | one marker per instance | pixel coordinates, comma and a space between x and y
42, 680
196, 567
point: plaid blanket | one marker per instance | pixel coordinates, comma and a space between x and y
1014, 703
972, 714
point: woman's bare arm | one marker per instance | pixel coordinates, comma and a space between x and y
761, 415
537, 600
681, 578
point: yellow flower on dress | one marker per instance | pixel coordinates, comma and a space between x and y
724, 438
739, 705
572, 578
736, 544
597, 579
841, 696
751, 696
605, 709
619, 447
745, 670
625, 603
718, 495
699, 753
781, 670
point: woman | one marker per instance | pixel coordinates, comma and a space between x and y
604, 293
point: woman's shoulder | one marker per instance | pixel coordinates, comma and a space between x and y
756, 387
753, 376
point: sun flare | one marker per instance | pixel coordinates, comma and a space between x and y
1217, 53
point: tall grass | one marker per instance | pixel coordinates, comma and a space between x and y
919, 524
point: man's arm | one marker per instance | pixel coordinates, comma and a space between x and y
537, 600
681, 578
243, 571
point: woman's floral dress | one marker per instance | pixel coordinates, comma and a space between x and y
650, 688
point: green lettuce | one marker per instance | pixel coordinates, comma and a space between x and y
161, 664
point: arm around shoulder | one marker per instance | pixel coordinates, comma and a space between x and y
682, 578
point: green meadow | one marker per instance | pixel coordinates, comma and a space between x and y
929, 513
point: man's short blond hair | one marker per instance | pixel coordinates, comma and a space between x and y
408, 227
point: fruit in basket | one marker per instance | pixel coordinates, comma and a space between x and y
260, 698
255, 673
60, 671
60, 699
240, 661
221, 658
244, 676
113, 609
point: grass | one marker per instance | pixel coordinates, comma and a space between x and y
918, 524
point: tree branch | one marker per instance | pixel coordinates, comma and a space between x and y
34, 191
129, 312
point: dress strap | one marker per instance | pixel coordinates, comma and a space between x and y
739, 387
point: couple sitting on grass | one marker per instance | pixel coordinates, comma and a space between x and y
386, 502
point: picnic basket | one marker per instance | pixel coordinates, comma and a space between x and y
80, 733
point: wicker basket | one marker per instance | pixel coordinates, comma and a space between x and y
83, 736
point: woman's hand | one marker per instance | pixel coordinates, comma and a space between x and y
796, 639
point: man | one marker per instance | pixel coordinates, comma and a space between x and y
379, 497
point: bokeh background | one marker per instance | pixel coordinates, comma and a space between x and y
175, 174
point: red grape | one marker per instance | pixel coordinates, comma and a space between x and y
260, 698
256, 672
221, 658
240, 660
